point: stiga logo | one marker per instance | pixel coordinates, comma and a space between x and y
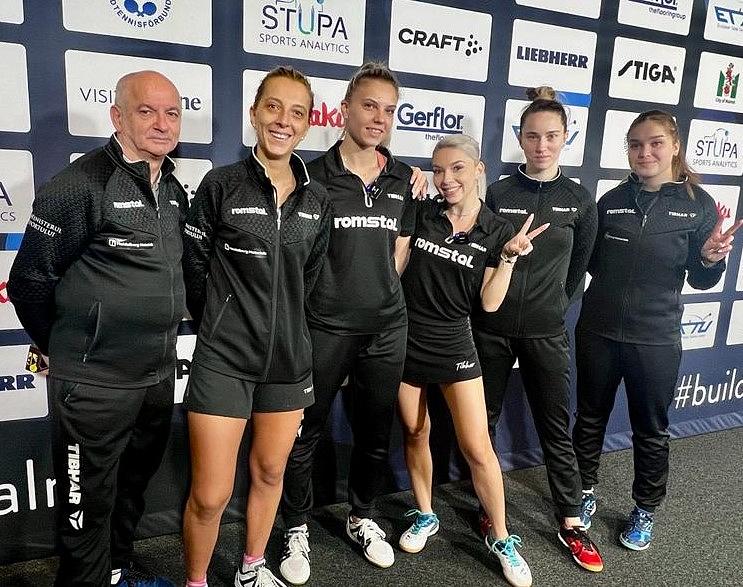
699, 325
636, 77
11, 11
589, 8
15, 114
326, 120
424, 116
16, 189
439, 40
715, 147
91, 79
724, 21
672, 16
173, 21
572, 153
317, 30
717, 82
556, 56
22, 394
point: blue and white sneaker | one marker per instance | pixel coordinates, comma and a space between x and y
587, 507
515, 569
136, 576
414, 538
638, 533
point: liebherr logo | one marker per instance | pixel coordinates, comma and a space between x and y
74, 495
366, 222
444, 252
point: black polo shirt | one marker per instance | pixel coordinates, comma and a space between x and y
442, 281
358, 290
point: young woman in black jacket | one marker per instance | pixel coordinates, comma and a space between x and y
654, 229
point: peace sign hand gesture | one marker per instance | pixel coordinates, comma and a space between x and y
719, 243
520, 244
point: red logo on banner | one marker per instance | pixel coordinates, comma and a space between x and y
3, 288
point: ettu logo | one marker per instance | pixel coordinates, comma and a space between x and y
648, 71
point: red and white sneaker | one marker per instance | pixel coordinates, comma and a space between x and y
582, 548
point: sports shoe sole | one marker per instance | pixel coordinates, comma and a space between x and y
417, 550
631, 545
366, 556
592, 568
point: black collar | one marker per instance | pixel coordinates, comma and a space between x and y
534, 184
670, 188
140, 169
334, 162
258, 171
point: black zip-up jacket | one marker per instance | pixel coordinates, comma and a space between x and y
358, 290
248, 270
647, 242
543, 281
97, 282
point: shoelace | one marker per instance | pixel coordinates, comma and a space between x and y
509, 549
296, 542
265, 578
368, 531
421, 521
641, 521
582, 536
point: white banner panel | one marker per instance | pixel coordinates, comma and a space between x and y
316, 30
715, 147
184, 350
670, 16
589, 8
735, 328
646, 71
326, 121
14, 114
190, 172
572, 153
8, 318
22, 394
605, 185
438, 40
11, 11
424, 116
718, 86
614, 143
91, 82
188, 22
16, 189
724, 21
544, 54
699, 325
739, 282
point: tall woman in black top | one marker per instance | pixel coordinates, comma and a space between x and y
654, 229
462, 256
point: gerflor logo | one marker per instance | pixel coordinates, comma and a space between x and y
444, 41
142, 14
644, 70
727, 84
436, 120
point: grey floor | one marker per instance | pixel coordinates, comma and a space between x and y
699, 533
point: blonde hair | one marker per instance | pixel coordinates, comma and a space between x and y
288, 72
469, 147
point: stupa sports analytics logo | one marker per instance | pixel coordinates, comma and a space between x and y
715, 147
727, 84
142, 14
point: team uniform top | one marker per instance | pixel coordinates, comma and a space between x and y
358, 290
647, 242
442, 280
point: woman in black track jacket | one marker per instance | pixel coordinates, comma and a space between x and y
654, 229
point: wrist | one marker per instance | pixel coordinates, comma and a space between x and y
506, 259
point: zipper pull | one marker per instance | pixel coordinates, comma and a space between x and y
644, 219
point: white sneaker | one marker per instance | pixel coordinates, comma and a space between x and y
295, 562
414, 538
515, 569
371, 538
256, 575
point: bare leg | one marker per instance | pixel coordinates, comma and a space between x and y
416, 426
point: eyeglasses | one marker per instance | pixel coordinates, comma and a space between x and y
458, 238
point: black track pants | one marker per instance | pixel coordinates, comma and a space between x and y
650, 373
545, 371
107, 445
375, 363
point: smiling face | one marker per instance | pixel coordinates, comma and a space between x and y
369, 112
651, 150
281, 117
542, 138
456, 176
147, 116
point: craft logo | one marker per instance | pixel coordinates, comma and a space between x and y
727, 85
699, 325
446, 42
644, 70
142, 14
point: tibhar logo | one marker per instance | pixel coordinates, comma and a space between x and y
6, 215
140, 14
552, 57
73, 474
366, 222
306, 18
464, 365
727, 84
718, 146
468, 45
643, 70
444, 252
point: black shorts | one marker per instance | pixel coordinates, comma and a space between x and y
210, 392
440, 354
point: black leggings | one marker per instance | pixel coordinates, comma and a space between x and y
649, 373
374, 362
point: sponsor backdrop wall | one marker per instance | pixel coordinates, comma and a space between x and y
463, 65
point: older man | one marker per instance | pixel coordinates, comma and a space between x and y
97, 285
